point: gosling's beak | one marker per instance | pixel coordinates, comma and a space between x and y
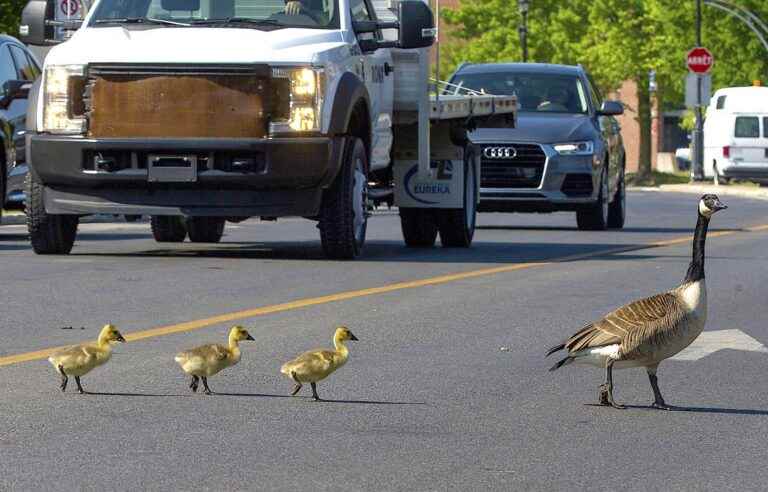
250, 337
353, 337
120, 338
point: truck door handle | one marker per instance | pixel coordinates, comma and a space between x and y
388, 69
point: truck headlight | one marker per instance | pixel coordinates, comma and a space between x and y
575, 148
63, 110
305, 87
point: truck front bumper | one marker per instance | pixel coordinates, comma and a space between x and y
227, 177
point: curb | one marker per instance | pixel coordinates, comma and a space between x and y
700, 189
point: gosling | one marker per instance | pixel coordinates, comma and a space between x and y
206, 360
79, 360
316, 365
646, 332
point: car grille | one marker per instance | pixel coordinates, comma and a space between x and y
524, 170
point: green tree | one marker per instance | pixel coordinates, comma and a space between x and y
10, 15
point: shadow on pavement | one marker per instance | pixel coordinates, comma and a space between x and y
723, 411
642, 230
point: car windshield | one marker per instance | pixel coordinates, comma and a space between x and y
536, 92
257, 14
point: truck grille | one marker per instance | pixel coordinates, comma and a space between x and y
146, 101
524, 170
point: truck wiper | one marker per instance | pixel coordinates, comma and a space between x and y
140, 20
238, 20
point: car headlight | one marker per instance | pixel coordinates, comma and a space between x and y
63, 112
301, 111
575, 148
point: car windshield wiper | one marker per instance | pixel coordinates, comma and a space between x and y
238, 20
140, 20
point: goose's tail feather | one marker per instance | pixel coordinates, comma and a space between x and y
561, 363
554, 349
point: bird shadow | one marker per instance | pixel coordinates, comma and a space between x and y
712, 410
249, 395
372, 402
149, 395
322, 400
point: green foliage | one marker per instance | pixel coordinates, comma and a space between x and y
10, 15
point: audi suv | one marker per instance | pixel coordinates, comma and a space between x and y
566, 152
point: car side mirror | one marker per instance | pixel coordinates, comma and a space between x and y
417, 25
38, 24
611, 108
12, 90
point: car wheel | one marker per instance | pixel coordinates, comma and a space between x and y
595, 217
617, 210
457, 226
49, 234
419, 227
205, 229
344, 213
168, 228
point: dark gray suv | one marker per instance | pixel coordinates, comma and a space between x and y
565, 153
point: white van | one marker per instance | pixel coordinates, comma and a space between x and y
736, 135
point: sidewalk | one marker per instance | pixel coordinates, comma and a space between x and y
702, 188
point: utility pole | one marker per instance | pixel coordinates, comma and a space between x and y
524, 5
698, 132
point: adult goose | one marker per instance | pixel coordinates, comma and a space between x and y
645, 332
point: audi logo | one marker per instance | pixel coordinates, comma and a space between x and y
500, 152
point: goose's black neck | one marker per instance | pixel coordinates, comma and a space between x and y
696, 268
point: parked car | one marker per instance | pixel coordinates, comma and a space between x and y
736, 135
18, 69
566, 152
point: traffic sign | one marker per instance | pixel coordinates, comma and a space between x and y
692, 90
700, 60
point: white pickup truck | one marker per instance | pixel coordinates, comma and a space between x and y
198, 112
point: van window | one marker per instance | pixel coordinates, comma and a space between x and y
747, 127
721, 102
765, 127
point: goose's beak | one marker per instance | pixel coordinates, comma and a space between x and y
250, 337
720, 206
120, 338
353, 337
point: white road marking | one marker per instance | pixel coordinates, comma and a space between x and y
710, 342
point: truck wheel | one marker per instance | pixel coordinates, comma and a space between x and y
617, 210
595, 217
457, 226
168, 228
419, 227
344, 215
49, 234
205, 229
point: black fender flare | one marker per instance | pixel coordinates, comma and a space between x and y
31, 123
350, 91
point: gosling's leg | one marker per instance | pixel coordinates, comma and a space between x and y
314, 391
297, 388
658, 402
193, 384
64, 379
79, 387
205, 385
606, 390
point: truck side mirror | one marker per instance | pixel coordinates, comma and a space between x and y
611, 108
417, 25
35, 28
12, 90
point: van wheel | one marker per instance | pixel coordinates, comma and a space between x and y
419, 227
205, 229
617, 209
168, 228
457, 226
344, 214
595, 217
49, 234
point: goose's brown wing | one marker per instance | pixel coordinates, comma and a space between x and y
632, 325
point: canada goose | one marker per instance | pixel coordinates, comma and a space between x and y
206, 360
79, 360
316, 365
645, 332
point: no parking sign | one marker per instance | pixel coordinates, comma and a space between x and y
69, 8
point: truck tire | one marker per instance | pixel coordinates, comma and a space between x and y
457, 226
344, 214
595, 217
49, 234
617, 209
168, 228
419, 227
205, 229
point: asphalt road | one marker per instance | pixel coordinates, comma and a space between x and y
447, 388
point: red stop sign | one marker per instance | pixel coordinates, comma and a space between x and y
700, 60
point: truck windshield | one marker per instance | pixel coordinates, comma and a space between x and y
536, 92
256, 14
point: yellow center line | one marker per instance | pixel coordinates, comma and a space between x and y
343, 296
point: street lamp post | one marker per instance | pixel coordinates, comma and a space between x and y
698, 132
524, 5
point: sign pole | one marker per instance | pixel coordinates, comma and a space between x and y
698, 133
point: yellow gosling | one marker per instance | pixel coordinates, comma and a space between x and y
205, 361
81, 359
316, 365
